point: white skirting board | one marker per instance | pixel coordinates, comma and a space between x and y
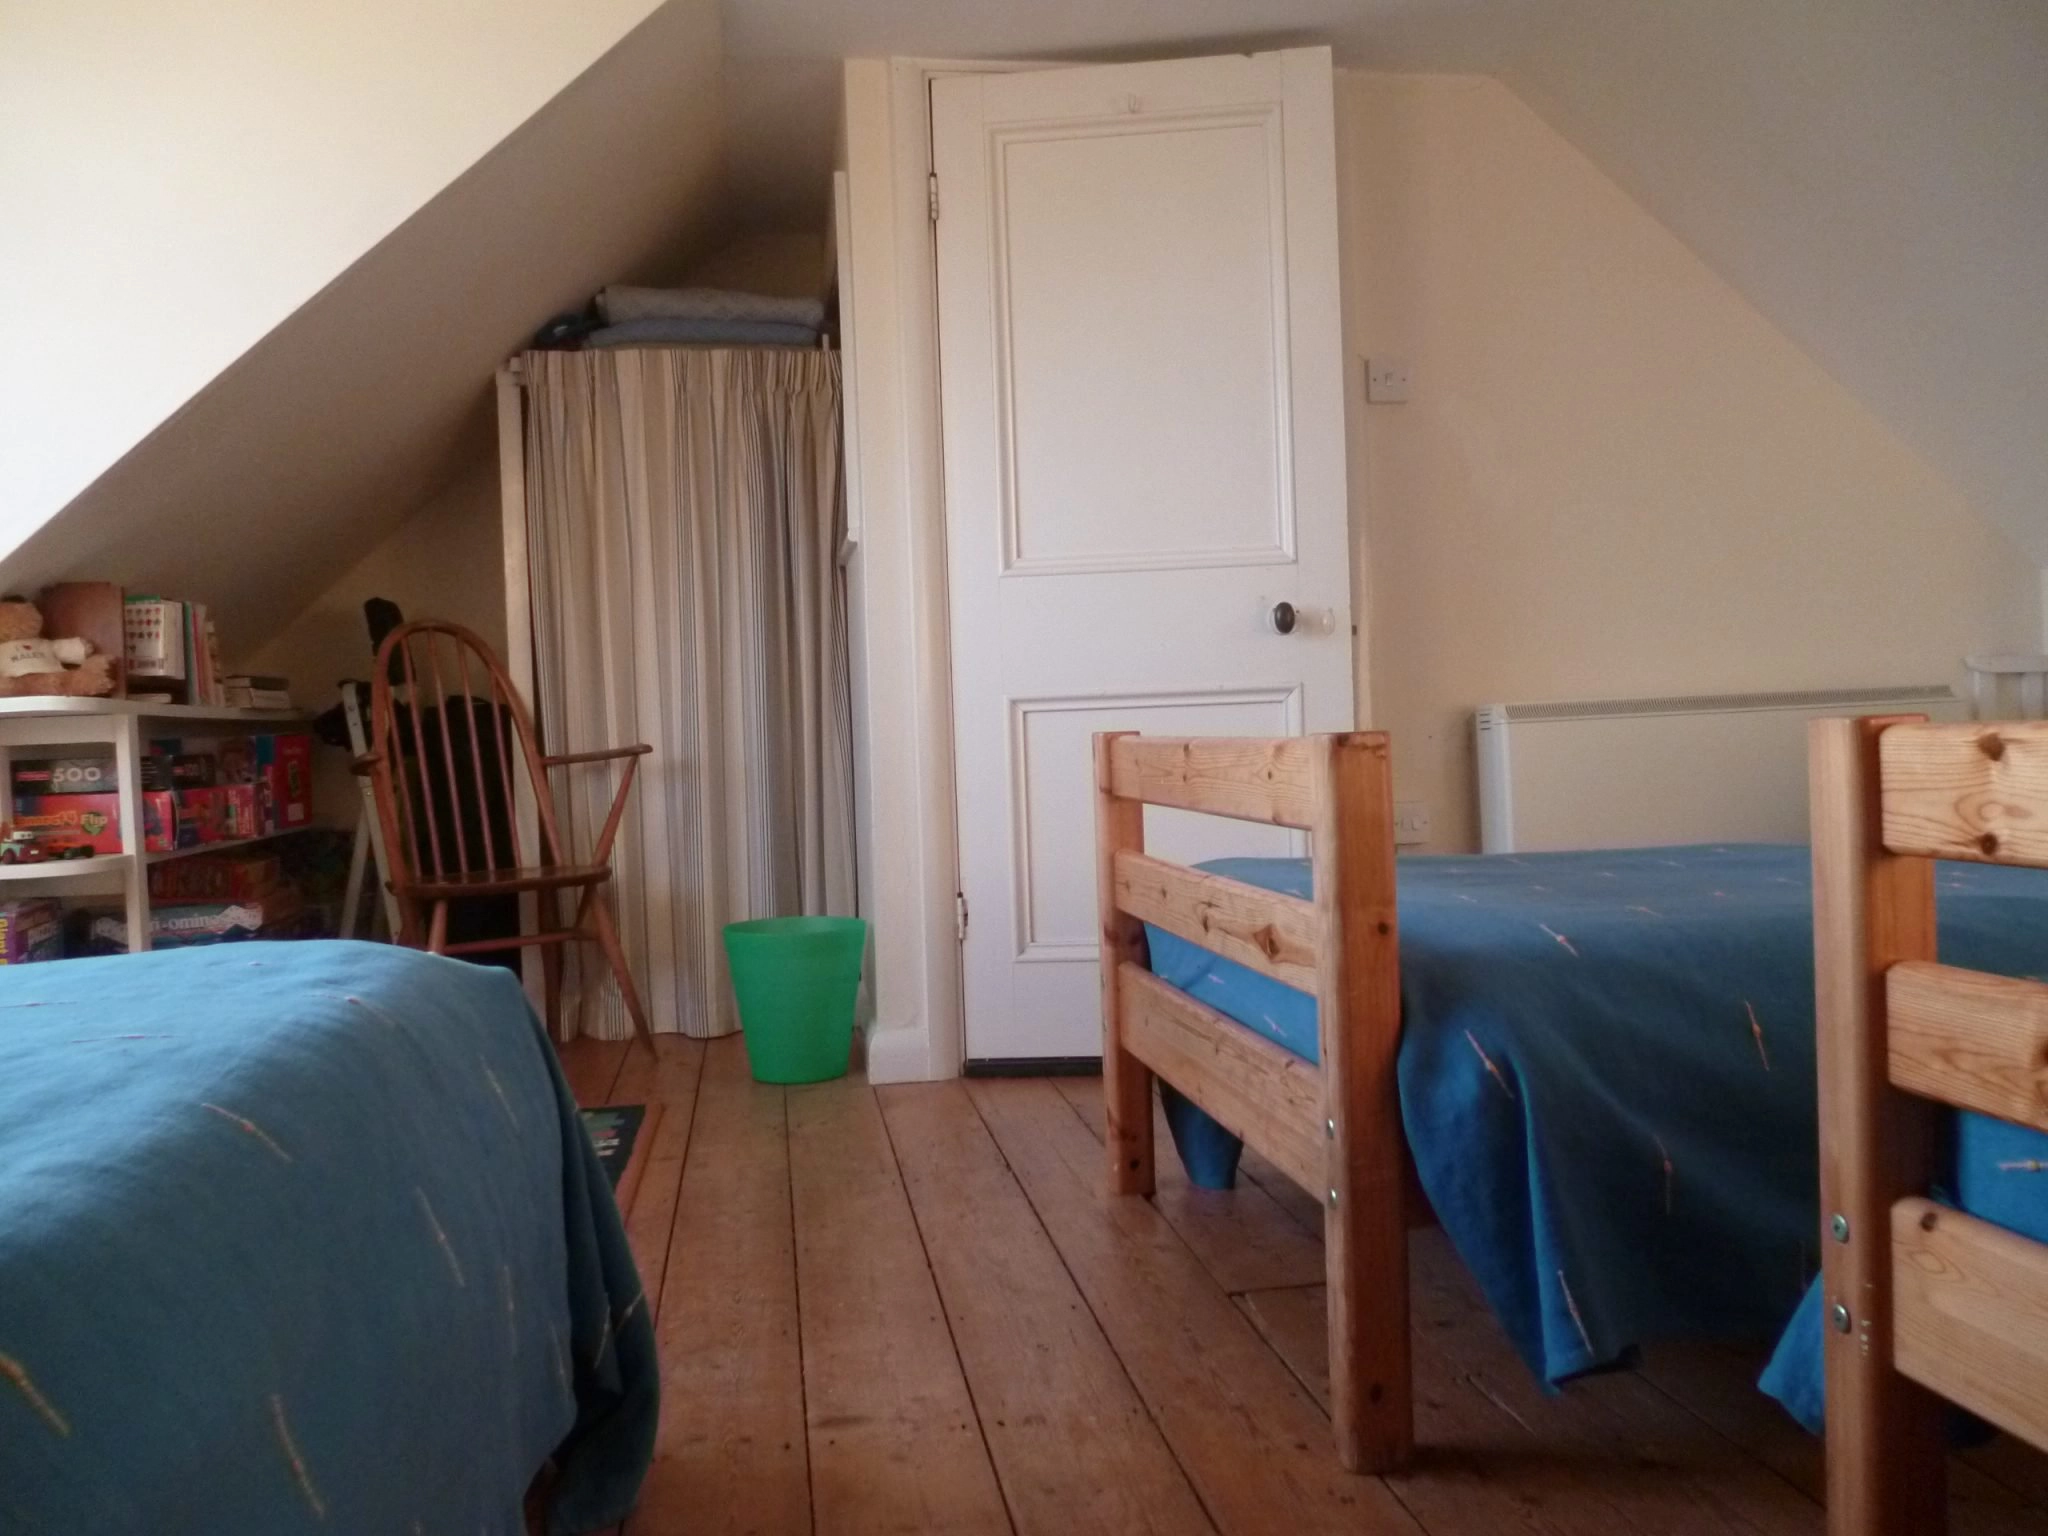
1639, 773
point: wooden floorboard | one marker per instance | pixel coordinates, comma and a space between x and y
731, 1455
1242, 1237
668, 1075
1073, 1444
1481, 1463
895, 1448
1252, 1441
1479, 1466
1660, 1469
2013, 1465
916, 1310
592, 1065
1717, 1382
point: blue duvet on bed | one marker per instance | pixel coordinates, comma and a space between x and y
302, 1237
1607, 1075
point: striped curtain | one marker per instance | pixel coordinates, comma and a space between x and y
684, 516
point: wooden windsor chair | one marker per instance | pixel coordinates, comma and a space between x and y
444, 767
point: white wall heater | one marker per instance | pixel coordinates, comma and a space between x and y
1636, 773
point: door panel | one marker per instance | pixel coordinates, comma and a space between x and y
1053, 765
1141, 373
1129, 336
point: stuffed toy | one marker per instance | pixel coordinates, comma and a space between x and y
29, 664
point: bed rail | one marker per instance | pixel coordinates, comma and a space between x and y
1923, 1301
1333, 1126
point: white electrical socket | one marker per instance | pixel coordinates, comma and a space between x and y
1411, 822
1386, 380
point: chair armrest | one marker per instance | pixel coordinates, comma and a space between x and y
567, 759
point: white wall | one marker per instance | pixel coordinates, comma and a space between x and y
443, 562
897, 579
1868, 174
1615, 477
316, 442
789, 263
176, 181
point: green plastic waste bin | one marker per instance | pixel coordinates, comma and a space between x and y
796, 979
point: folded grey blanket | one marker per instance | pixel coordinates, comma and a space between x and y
619, 303
703, 333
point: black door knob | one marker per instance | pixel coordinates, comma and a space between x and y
1284, 618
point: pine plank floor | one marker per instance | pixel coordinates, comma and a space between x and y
912, 1309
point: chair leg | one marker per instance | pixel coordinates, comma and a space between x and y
608, 939
437, 932
551, 985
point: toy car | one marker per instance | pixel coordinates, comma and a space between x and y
21, 846
68, 846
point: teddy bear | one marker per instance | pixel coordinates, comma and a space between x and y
29, 664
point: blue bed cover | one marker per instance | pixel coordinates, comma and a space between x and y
304, 1236
1607, 1078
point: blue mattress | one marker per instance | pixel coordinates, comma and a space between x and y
1607, 1078
303, 1236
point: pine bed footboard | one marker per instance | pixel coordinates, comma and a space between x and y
1333, 1126
1924, 1303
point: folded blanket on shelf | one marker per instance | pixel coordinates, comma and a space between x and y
703, 333
619, 303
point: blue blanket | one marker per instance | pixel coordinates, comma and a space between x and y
303, 1236
1607, 1074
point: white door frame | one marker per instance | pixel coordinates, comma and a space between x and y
918, 1032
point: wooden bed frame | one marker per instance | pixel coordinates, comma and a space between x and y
1334, 1127
1923, 1302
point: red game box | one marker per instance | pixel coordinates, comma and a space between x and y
237, 877
58, 820
284, 766
216, 815
94, 820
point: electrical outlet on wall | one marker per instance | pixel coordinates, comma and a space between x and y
1386, 380
1411, 822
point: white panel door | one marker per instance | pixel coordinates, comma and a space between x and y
1141, 367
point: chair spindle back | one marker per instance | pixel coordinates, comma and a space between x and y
443, 818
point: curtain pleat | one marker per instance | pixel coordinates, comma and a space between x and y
685, 510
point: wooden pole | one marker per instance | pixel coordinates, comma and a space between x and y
1358, 1003
1887, 1459
1126, 1081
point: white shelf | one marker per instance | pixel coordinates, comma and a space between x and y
161, 855
33, 707
100, 864
124, 726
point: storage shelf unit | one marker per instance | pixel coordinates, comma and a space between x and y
44, 725
99, 867
226, 843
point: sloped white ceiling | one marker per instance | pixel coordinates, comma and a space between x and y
318, 440
177, 179
1869, 174
1872, 175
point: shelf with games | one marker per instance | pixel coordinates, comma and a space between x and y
101, 867
125, 727
224, 845
62, 707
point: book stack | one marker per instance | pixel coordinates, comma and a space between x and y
155, 633
246, 691
173, 652
174, 658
